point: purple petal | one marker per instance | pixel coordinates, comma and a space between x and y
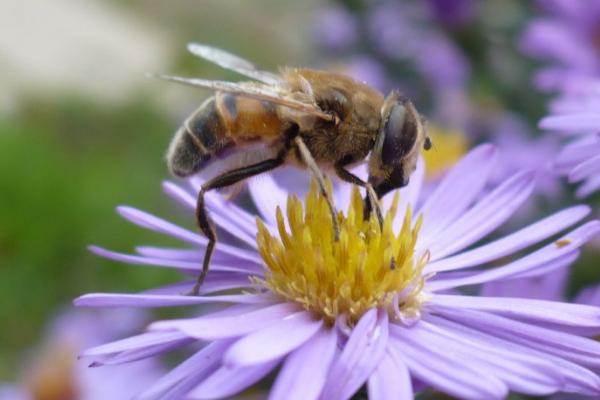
589, 187
575, 153
274, 341
183, 266
228, 381
440, 369
555, 41
147, 339
242, 227
197, 366
180, 195
538, 260
214, 282
129, 356
512, 243
576, 378
529, 309
533, 376
585, 169
457, 190
577, 349
223, 254
307, 364
220, 327
156, 224
171, 253
485, 216
572, 123
391, 379
155, 300
589, 295
359, 358
267, 196
234, 225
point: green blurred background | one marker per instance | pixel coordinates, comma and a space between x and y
82, 130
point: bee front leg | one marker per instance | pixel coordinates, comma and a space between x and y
312, 165
371, 199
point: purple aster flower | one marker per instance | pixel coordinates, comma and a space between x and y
378, 306
52, 370
577, 116
567, 36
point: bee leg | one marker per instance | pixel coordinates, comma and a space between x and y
312, 165
373, 202
226, 179
208, 229
371, 197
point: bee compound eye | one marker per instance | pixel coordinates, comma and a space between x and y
400, 134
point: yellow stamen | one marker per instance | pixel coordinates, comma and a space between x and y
448, 148
367, 267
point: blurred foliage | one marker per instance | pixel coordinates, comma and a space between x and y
64, 165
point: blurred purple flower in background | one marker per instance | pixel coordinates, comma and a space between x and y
403, 48
336, 28
52, 370
334, 328
396, 30
567, 36
580, 158
519, 150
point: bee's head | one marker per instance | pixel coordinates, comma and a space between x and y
401, 135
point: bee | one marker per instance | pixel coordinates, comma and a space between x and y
309, 118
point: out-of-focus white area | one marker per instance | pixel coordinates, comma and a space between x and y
90, 46
102, 49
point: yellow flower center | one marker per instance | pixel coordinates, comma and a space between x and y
367, 267
449, 146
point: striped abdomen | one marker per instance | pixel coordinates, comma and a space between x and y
221, 122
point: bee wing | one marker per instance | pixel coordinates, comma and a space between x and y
272, 94
233, 63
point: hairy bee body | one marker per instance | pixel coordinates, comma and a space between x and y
229, 122
308, 118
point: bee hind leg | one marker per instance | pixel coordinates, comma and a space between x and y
208, 229
312, 165
371, 199
226, 179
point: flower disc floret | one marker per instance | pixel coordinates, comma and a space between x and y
368, 267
